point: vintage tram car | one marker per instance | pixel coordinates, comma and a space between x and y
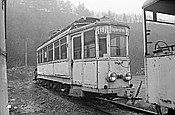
159, 56
88, 57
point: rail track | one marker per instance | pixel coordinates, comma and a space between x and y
106, 106
99, 109
113, 105
128, 107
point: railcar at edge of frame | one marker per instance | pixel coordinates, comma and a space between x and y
159, 57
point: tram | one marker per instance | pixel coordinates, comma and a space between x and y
159, 53
88, 57
3, 74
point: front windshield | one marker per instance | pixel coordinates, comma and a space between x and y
117, 45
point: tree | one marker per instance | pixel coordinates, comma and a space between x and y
111, 15
125, 19
82, 11
34, 19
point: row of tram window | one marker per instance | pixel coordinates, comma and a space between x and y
60, 47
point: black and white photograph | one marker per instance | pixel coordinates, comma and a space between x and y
87, 57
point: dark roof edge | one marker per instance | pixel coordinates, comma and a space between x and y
148, 3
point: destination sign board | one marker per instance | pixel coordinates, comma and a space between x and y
112, 29
118, 30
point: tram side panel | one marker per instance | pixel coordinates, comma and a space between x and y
45, 69
78, 73
160, 79
49, 69
40, 70
61, 69
90, 74
103, 69
54, 71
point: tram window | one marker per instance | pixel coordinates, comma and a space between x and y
38, 55
45, 54
57, 52
41, 56
77, 47
118, 45
50, 52
102, 45
63, 45
89, 44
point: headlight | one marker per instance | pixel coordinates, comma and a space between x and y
112, 76
127, 77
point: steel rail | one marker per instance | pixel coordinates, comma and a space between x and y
98, 108
132, 108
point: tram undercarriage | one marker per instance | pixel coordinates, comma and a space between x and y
80, 91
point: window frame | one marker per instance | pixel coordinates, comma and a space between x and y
81, 46
45, 54
50, 50
125, 42
55, 47
103, 36
38, 57
63, 44
41, 56
95, 45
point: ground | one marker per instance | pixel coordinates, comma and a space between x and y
27, 98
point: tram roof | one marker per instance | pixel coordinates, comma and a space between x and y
84, 23
160, 6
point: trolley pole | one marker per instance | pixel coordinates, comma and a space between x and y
3, 72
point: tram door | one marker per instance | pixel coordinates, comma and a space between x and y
89, 60
77, 63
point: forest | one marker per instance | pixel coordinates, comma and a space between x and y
32, 20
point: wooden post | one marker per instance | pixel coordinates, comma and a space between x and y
26, 42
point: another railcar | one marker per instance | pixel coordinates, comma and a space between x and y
159, 53
88, 57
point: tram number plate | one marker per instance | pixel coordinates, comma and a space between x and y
102, 29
